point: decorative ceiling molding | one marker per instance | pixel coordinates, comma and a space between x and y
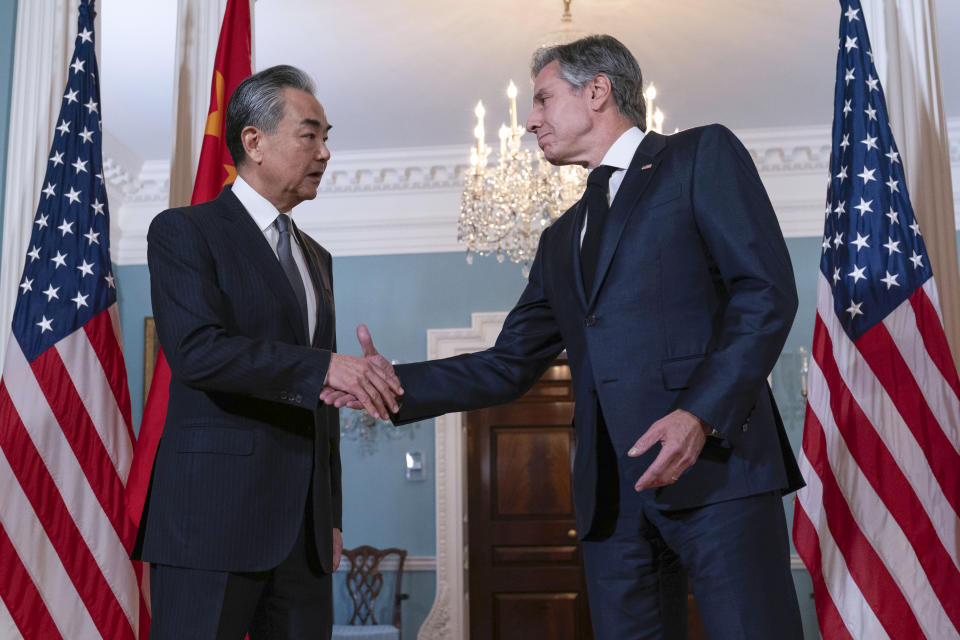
402, 201
150, 185
788, 150
417, 168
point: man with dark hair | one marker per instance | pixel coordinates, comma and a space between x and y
670, 286
243, 516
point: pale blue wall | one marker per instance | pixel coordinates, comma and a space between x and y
133, 297
8, 27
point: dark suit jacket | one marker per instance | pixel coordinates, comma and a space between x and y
244, 432
693, 299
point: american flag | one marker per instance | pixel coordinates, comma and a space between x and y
65, 433
877, 524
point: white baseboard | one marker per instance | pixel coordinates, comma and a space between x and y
429, 563
412, 563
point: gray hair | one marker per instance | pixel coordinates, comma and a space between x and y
582, 60
258, 102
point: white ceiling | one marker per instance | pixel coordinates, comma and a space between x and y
403, 74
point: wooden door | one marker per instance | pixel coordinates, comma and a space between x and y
525, 569
525, 566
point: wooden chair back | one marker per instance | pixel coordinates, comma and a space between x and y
365, 581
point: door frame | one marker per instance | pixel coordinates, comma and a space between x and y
449, 616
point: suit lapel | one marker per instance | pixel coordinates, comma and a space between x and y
250, 242
639, 173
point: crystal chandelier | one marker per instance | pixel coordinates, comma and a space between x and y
504, 209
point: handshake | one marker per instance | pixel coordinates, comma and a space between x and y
367, 382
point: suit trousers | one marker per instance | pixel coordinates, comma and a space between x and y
736, 553
293, 601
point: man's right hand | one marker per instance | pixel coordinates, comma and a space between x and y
368, 382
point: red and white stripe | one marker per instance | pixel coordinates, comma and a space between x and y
65, 450
877, 524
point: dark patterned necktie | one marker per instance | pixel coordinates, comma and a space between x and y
598, 185
285, 254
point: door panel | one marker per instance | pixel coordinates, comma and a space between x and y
525, 566
517, 451
532, 555
525, 616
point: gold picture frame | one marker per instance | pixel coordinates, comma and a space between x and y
151, 348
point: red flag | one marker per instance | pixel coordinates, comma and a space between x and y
230, 68
877, 524
66, 440
215, 170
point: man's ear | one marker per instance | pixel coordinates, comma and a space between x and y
600, 90
252, 140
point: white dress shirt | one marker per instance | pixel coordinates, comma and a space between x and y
619, 155
264, 216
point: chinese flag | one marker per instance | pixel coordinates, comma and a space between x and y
215, 170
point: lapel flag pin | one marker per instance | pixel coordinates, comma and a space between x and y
645, 167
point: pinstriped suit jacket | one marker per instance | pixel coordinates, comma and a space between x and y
245, 435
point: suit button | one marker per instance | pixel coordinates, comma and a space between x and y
299, 398
590, 320
283, 395
744, 428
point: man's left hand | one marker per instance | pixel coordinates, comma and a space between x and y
682, 436
337, 547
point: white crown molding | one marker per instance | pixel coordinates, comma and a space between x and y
788, 150
412, 168
134, 201
407, 201
150, 184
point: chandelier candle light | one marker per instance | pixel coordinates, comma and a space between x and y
504, 209
654, 118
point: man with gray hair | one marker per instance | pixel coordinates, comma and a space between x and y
242, 524
670, 286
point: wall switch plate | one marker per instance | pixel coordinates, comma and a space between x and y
414, 466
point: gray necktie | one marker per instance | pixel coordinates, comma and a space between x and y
289, 265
